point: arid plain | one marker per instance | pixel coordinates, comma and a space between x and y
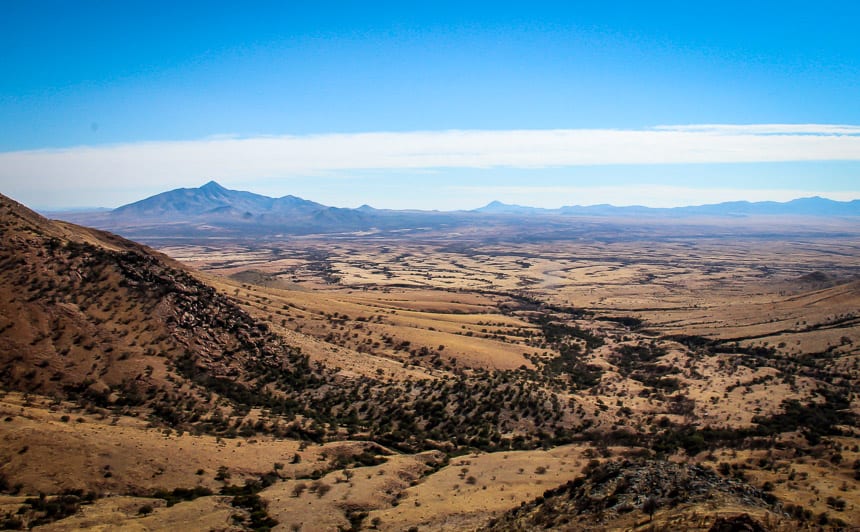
438, 379
777, 299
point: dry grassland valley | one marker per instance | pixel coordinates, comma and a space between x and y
497, 369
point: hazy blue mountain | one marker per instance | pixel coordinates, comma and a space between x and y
212, 210
293, 204
212, 198
209, 198
497, 207
815, 206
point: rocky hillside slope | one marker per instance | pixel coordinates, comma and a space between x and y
94, 318
90, 316
624, 494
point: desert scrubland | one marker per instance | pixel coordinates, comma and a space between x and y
598, 375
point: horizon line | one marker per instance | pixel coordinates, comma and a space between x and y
434, 162
95, 209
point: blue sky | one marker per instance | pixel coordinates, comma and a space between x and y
345, 103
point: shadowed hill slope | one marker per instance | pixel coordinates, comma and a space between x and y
91, 317
624, 495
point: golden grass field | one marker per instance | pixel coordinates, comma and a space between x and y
677, 332
785, 294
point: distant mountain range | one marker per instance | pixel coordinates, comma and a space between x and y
213, 199
218, 204
815, 206
214, 210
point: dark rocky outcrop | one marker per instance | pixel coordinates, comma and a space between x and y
612, 490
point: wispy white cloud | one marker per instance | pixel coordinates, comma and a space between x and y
188, 163
767, 129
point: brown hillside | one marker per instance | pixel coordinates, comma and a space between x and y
95, 318
315, 382
625, 495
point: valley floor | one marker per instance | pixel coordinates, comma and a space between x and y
451, 382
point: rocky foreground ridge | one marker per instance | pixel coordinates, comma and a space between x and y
625, 494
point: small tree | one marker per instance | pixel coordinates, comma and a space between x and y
650, 506
145, 510
223, 474
299, 488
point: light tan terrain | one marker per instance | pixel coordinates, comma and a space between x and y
429, 380
798, 298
